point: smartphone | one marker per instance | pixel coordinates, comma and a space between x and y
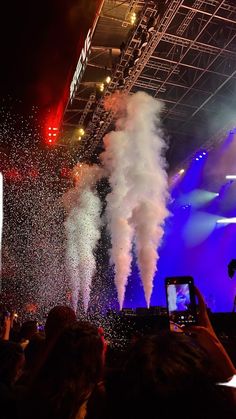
181, 304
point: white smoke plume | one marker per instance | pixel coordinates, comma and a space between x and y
136, 207
83, 231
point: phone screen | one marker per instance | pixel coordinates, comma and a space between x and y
180, 300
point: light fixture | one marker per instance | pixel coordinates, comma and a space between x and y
230, 177
101, 87
136, 55
231, 220
151, 24
144, 39
108, 79
81, 132
133, 18
181, 172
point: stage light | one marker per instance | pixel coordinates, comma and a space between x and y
181, 172
101, 87
81, 132
136, 55
127, 72
52, 132
151, 24
231, 220
197, 159
133, 18
230, 177
108, 79
144, 39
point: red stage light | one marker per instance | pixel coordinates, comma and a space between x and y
51, 132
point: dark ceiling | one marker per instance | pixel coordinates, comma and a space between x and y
189, 63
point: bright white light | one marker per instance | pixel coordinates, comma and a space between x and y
181, 171
197, 158
231, 220
230, 177
108, 79
81, 132
133, 18
231, 383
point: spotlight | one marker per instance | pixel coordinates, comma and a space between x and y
127, 72
144, 39
101, 87
136, 55
81, 132
181, 171
230, 177
108, 79
133, 18
197, 159
231, 220
151, 24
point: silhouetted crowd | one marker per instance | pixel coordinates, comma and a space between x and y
70, 371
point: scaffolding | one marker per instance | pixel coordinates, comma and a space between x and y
188, 60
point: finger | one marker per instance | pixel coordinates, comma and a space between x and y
200, 298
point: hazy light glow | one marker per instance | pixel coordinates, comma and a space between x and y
230, 177
198, 197
81, 132
231, 220
198, 228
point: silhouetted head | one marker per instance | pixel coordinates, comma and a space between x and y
28, 329
58, 318
69, 374
168, 374
11, 361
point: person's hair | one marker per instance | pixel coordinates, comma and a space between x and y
28, 329
58, 318
34, 351
165, 373
10, 355
71, 371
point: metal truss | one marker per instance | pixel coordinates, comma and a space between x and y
133, 43
189, 62
210, 144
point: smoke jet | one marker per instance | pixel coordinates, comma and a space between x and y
83, 231
136, 207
